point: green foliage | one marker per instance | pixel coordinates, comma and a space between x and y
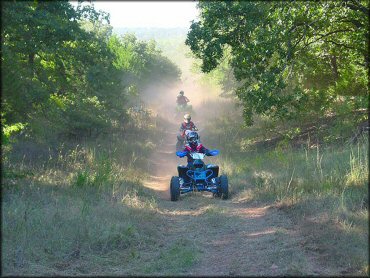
98, 176
289, 58
7, 136
9, 130
66, 76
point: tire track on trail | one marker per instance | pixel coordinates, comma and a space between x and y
227, 237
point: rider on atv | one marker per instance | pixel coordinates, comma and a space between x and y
181, 99
186, 126
197, 176
193, 145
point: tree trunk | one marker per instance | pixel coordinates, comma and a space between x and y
31, 59
334, 66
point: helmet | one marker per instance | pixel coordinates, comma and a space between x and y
187, 118
192, 137
182, 93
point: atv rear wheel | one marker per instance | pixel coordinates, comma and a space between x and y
224, 187
175, 188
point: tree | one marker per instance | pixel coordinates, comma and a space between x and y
289, 58
65, 74
44, 50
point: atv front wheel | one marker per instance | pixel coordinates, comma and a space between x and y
224, 187
175, 188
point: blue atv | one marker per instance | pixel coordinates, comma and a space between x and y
198, 177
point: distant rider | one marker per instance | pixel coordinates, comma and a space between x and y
187, 124
193, 145
181, 99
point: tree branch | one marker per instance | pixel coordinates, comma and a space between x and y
340, 44
356, 6
326, 35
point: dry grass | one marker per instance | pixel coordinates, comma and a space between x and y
83, 210
322, 187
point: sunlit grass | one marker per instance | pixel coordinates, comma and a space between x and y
79, 210
96, 212
324, 183
178, 258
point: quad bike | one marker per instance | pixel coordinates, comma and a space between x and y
182, 109
199, 177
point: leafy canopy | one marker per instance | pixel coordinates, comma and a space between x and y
288, 57
65, 75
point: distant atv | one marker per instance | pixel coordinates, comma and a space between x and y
200, 177
182, 109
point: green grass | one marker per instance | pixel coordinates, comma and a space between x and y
67, 214
322, 187
177, 259
290, 174
82, 210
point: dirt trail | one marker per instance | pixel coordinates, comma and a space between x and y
162, 166
229, 238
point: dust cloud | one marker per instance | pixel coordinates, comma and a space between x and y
161, 98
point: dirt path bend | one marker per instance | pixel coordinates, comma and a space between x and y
228, 238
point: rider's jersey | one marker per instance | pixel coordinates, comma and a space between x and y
182, 100
198, 148
187, 126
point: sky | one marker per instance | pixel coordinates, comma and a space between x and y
166, 14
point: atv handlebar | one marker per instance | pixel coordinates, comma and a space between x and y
214, 152
181, 153
211, 153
